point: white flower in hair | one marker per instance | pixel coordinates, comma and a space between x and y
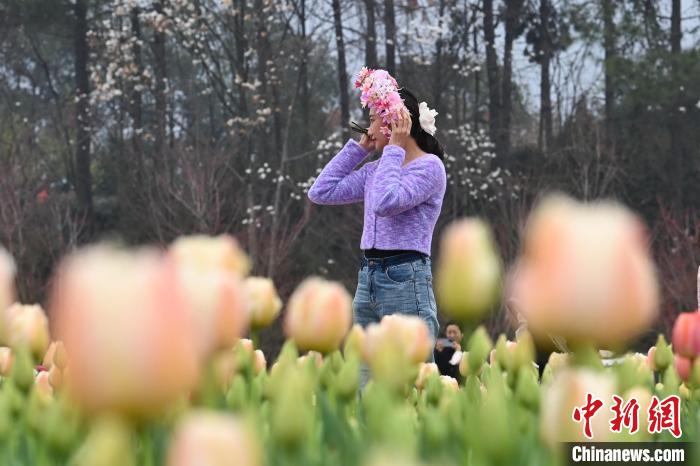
427, 118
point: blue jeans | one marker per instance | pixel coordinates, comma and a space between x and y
401, 284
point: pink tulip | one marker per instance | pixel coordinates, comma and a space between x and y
586, 273
265, 304
122, 320
319, 315
683, 366
43, 385
686, 334
651, 364
213, 439
260, 361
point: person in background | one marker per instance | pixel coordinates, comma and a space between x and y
448, 351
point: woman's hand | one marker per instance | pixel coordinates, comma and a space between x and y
367, 143
401, 130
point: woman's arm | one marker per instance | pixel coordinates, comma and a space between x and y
394, 192
338, 183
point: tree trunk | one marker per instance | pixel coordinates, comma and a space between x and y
304, 75
160, 72
477, 75
371, 37
342, 71
136, 97
676, 33
437, 80
610, 53
390, 28
545, 130
511, 23
492, 75
83, 177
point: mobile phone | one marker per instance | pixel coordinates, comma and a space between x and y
446, 343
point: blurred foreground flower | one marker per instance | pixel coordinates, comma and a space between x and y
213, 439
468, 277
567, 391
586, 273
123, 323
209, 272
425, 370
319, 315
265, 304
6, 358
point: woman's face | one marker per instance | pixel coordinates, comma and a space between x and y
374, 133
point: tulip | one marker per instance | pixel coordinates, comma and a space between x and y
6, 358
264, 303
319, 315
213, 439
7, 289
109, 443
217, 306
315, 357
43, 384
55, 355
468, 278
449, 382
260, 361
585, 274
355, 340
686, 334
56, 377
28, 327
122, 320
407, 334
650, 358
206, 253
424, 371
663, 356
568, 391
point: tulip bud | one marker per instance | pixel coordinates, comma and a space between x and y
524, 353
480, 345
568, 391
264, 303
683, 367
663, 356
122, 320
348, 379
6, 359
464, 364
7, 288
206, 253
504, 353
22, 369
686, 334
527, 390
109, 443
292, 413
319, 315
649, 361
213, 439
449, 382
56, 377
586, 274
468, 278
355, 341
424, 371
260, 361
43, 386
28, 327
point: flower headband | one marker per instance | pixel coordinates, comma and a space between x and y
380, 92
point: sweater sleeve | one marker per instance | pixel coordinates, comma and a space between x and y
338, 183
395, 192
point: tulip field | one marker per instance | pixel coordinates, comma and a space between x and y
149, 357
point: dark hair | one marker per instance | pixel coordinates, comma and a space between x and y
425, 141
452, 322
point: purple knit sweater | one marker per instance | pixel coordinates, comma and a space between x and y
402, 204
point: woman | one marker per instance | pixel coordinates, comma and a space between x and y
402, 194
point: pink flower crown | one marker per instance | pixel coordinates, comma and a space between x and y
380, 92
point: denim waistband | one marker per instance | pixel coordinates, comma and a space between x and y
393, 260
